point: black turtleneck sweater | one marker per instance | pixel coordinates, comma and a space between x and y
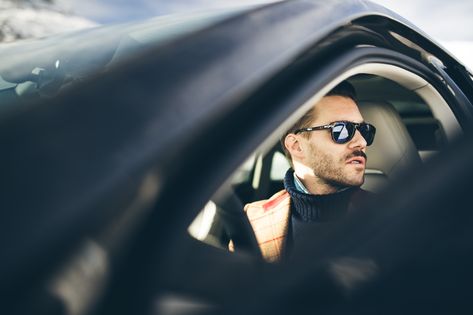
316, 212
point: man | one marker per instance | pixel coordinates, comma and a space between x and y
326, 148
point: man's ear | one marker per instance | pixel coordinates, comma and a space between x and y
293, 145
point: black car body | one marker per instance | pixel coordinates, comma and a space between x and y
119, 142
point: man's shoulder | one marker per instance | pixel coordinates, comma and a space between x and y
280, 200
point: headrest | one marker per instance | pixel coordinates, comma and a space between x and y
393, 149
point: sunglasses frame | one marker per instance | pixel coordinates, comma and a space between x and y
335, 123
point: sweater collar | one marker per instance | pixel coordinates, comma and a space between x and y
309, 207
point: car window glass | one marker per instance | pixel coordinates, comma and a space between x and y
41, 68
201, 227
279, 166
208, 226
243, 174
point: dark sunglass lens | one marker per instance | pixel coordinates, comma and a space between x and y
367, 131
342, 132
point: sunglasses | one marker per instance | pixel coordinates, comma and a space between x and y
344, 131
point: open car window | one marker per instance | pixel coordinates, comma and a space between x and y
417, 131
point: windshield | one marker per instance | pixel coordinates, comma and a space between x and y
40, 68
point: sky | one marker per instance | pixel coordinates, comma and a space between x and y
444, 20
447, 22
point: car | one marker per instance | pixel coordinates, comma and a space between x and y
128, 152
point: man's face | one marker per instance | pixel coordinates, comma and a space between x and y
338, 165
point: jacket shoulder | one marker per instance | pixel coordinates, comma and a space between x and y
259, 208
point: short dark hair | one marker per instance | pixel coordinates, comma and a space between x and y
343, 89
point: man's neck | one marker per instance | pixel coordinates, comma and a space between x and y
316, 186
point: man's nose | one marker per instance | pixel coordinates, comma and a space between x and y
358, 141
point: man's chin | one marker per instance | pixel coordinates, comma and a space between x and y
358, 183
347, 183
355, 182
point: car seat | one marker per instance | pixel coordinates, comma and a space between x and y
392, 150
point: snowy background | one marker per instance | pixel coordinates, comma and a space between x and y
447, 22
21, 19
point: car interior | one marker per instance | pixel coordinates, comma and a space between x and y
413, 124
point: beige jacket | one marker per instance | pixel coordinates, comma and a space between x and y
270, 221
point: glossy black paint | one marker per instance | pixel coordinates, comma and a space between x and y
186, 113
